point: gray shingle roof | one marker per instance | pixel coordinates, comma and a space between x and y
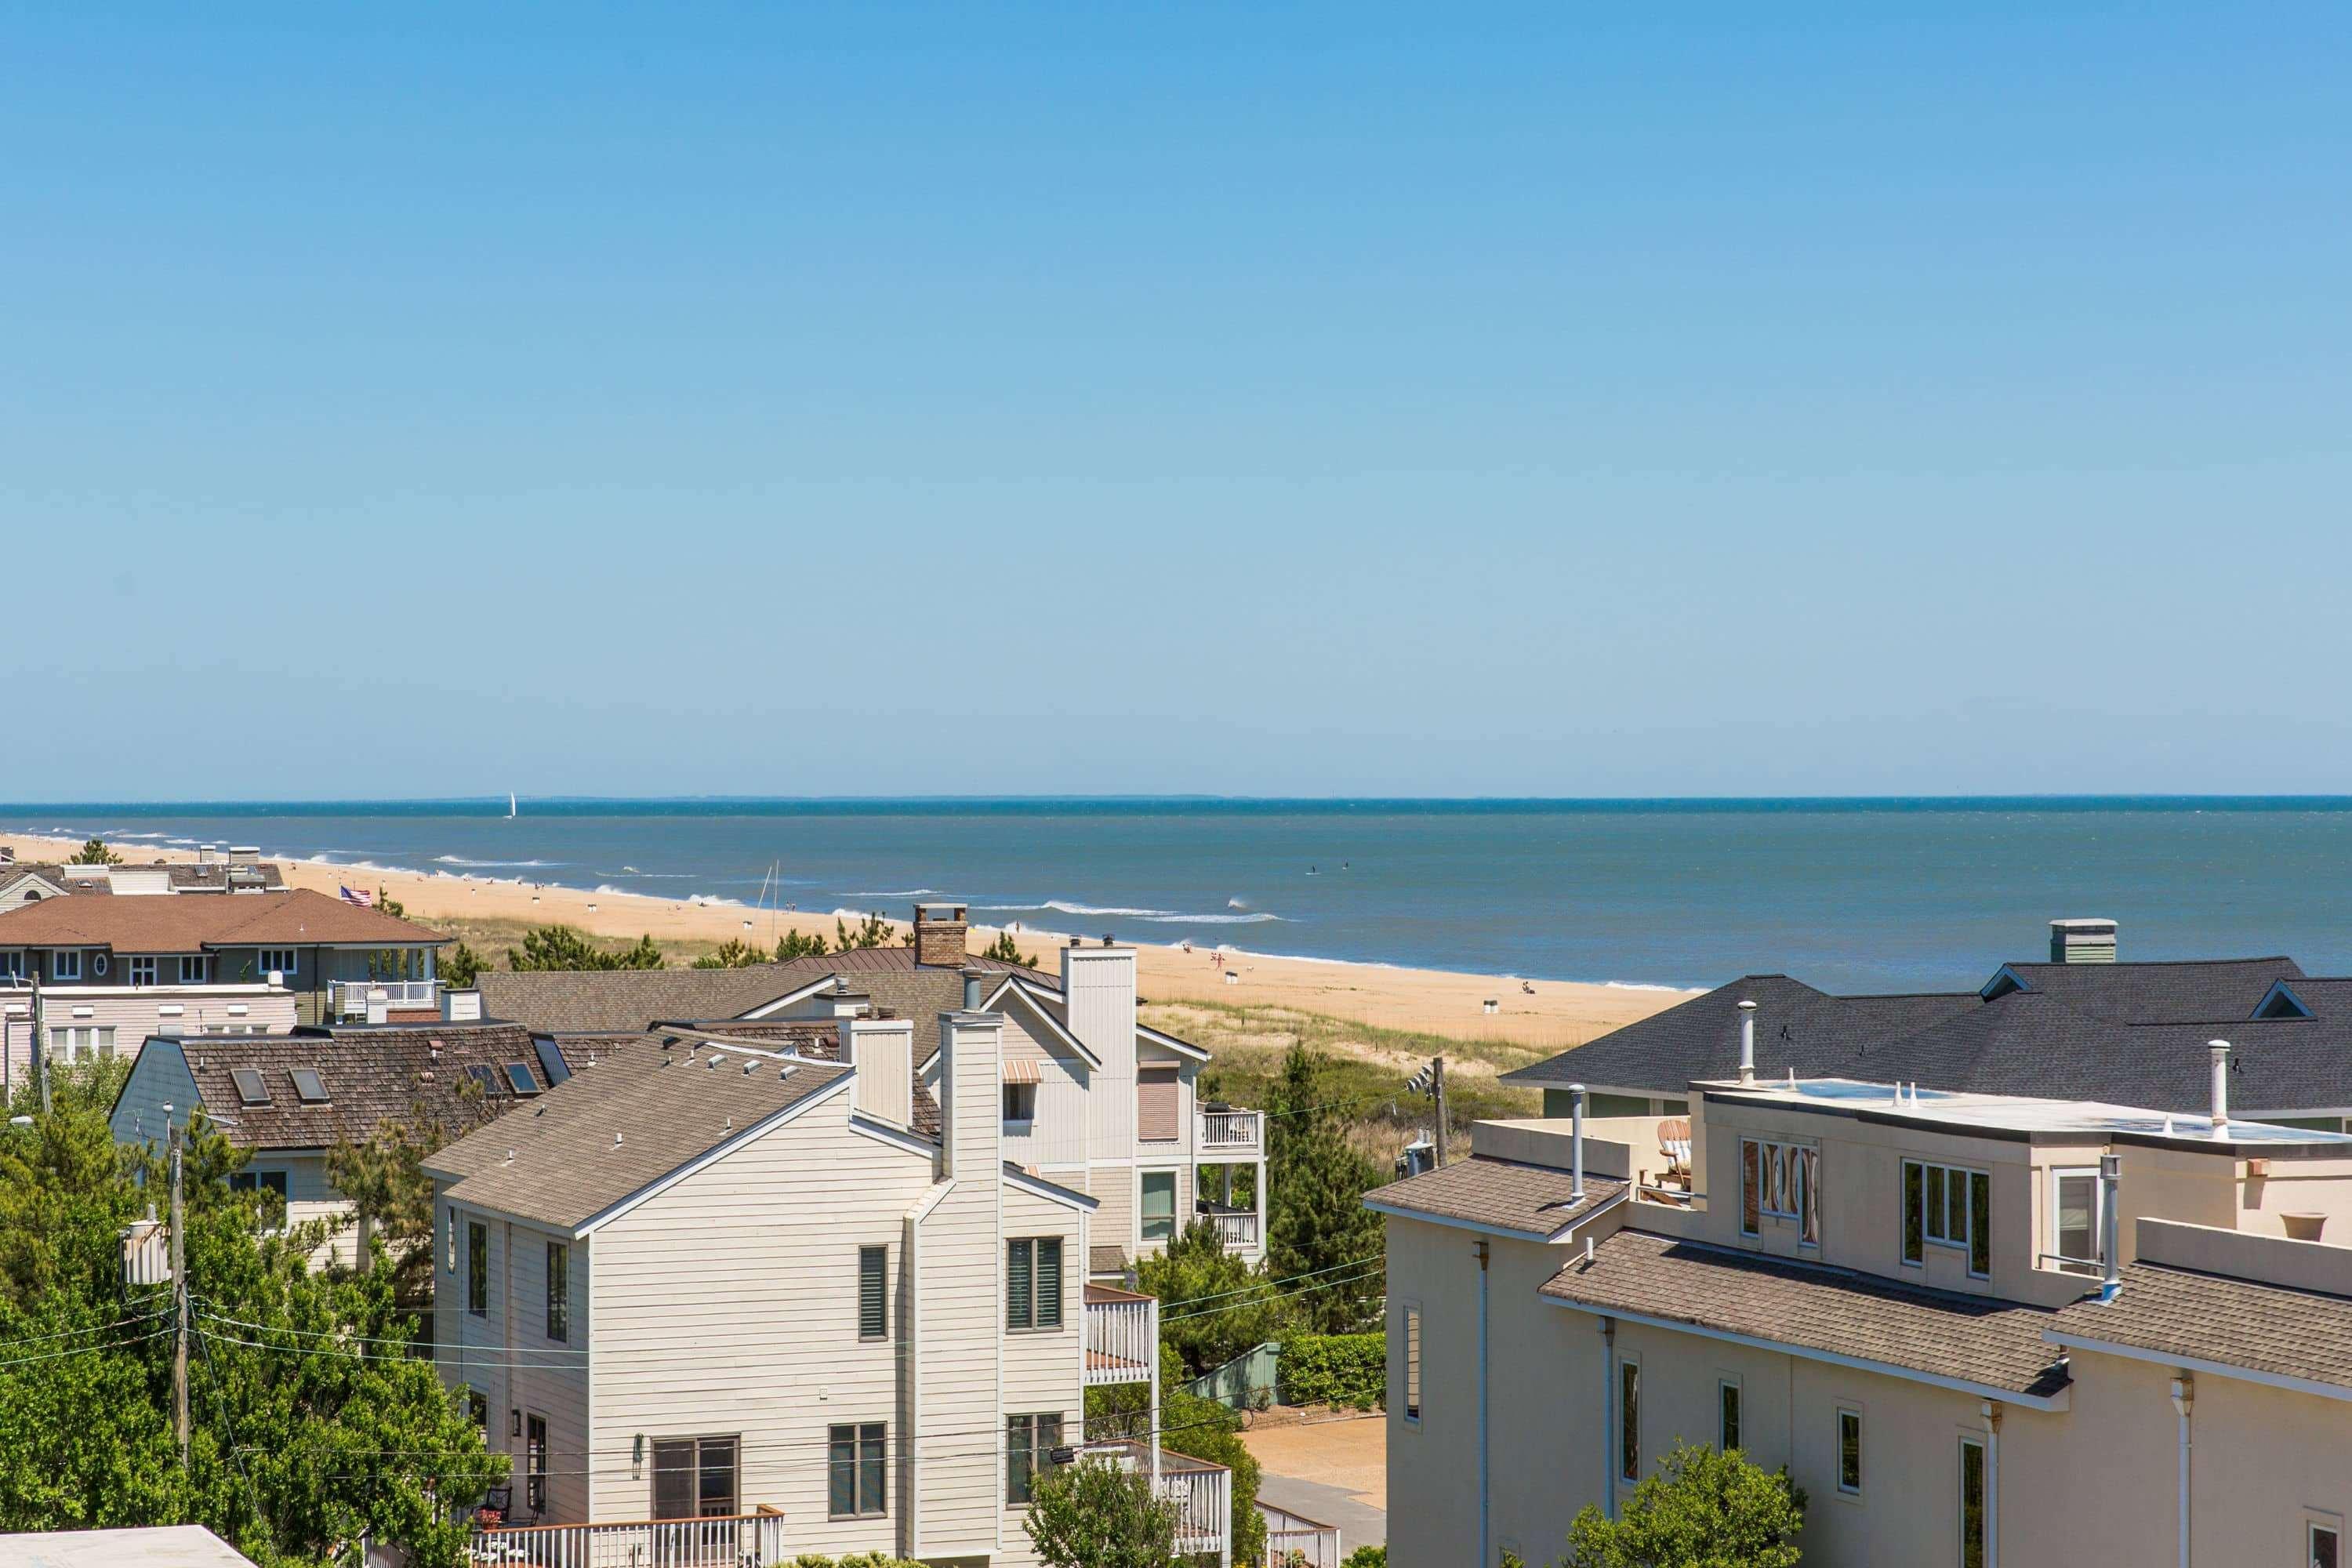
372, 1075
1503, 1194
610, 1131
2130, 1033
2271, 1328
1979, 1340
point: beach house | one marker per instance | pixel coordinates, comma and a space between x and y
1978, 1328
731, 1297
286, 1100
2082, 1025
93, 976
1092, 1097
213, 870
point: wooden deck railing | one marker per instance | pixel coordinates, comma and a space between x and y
737, 1540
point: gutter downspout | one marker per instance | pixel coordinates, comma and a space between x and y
1609, 1415
911, 1317
2184, 1398
1485, 1555
1993, 1484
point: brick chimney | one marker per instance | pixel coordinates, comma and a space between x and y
939, 935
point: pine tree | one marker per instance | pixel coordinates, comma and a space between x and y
1318, 1223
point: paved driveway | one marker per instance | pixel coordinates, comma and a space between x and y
1329, 1468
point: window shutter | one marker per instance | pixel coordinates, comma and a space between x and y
873, 1293
1017, 1286
1049, 1282
1155, 1104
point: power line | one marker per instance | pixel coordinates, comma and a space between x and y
94, 1329
89, 1349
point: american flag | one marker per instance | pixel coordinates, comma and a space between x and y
359, 896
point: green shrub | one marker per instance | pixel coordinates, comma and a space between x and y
1350, 1370
1367, 1557
855, 1559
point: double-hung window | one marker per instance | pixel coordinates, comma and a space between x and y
1948, 1206
855, 1471
559, 1291
2075, 1220
1158, 1206
1029, 1445
477, 1269
141, 970
873, 1292
694, 1477
1780, 1181
64, 963
1033, 1282
193, 966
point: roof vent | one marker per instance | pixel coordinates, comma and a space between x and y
2081, 942
616, 1139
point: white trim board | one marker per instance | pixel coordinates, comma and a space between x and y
2198, 1365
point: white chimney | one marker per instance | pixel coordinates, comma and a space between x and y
2219, 1050
2111, 1281
882, 1050
1576, 1144
972, 1094
1100, 984
2082, 941
1747, 1042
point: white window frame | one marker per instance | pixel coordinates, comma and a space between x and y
2097, 1260
1837, 1451
1942, 1214
1175, 1206
1025, 1093
142, 970
262, 964
1627, 1436
2316, 1525
1780, 1165
202, 963
12, 964
1960, 1484
64, 963
1730, 1385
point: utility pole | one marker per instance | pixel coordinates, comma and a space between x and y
1437, 1086
179, 1297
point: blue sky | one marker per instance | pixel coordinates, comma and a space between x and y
1311, 399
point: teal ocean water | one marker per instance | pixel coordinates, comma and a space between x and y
1878, 895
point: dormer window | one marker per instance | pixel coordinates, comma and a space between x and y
64, 963
2281, 1002
1948, 1206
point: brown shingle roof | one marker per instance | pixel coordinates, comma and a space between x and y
1982, 1342
630, 1000
168, 924
1502, 1194
372, 1075
2214, 1318
611, 1129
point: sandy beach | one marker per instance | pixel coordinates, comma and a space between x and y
1552, 1015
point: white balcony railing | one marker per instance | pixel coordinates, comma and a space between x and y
351, 997
1202, 1493
1237, 1228
1122, 1336
740, 1541
1295, 1541
1231, 1131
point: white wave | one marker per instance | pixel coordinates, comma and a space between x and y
1065, 907
1641, 985
461, 861
934, 893
142, 836
1258, 916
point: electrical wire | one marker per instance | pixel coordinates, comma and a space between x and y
89, 1349
94, 1329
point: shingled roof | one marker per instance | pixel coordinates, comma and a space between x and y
301, 918
1980, 1343
2132, 1034
2275, 1331
371, 1075
614, 1129
1495, 1195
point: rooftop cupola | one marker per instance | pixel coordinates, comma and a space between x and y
2081, 942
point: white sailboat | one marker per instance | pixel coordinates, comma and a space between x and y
510, 804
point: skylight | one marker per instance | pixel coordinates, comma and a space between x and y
485, 1077
309, 1086
250, 1087
519, 1074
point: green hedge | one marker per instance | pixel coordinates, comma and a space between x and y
856, 1560
1352, 1370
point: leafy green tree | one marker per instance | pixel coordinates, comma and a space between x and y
1187, 1425
1318, 1226
732, 953
874, 931
309, 1426
1701, 1509
1368, 1556
386, 1181
1213, 1305
1004, 952
460, 966
1097, 1515
568, 947
797, 944
94, 852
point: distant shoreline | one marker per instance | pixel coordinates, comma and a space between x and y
1556, 1015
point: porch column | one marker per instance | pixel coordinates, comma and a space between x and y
1261, 1206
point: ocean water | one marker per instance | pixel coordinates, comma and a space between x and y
1861, 895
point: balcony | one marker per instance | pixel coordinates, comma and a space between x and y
739, 1541
350, 998
1202, 1493
1122, 1335
1237, 1227
1221, 1132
